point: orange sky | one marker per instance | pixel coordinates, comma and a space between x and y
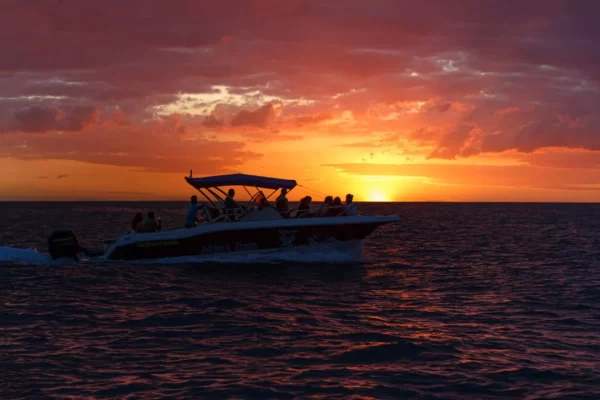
391, 101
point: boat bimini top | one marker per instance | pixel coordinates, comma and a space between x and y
241, 180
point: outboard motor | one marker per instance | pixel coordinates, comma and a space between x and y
63, 244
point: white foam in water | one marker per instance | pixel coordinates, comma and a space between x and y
330, 253
26, 256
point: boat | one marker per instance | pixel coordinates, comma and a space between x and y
253, 227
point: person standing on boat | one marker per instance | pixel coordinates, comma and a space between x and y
281, 204
192, 213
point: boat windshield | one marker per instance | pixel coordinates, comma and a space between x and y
259, 199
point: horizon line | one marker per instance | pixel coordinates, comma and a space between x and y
297, 201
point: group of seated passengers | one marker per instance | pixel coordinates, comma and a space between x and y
330, 208
150, 224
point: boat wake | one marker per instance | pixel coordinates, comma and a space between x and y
24, 256
321, 253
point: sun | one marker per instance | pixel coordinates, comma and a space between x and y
377, 196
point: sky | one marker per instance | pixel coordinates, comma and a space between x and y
391, 100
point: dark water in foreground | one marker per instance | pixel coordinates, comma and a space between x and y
459, 301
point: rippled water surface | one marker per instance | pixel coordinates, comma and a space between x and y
458, 301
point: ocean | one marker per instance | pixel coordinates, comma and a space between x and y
457, 301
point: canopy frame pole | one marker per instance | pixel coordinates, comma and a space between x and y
256, 194
220, 200
220, 190
207, 198
204, 209
249, 194
272, 193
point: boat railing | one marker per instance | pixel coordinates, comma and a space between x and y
337, 211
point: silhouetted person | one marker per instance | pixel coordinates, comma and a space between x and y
150, 224
137, 223
350, 206
336, 208
192, 213
304, 208
281, 204
230, 204
324, 210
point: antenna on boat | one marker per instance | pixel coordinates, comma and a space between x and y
190, 173
313, 190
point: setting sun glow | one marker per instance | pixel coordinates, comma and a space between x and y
377, 196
